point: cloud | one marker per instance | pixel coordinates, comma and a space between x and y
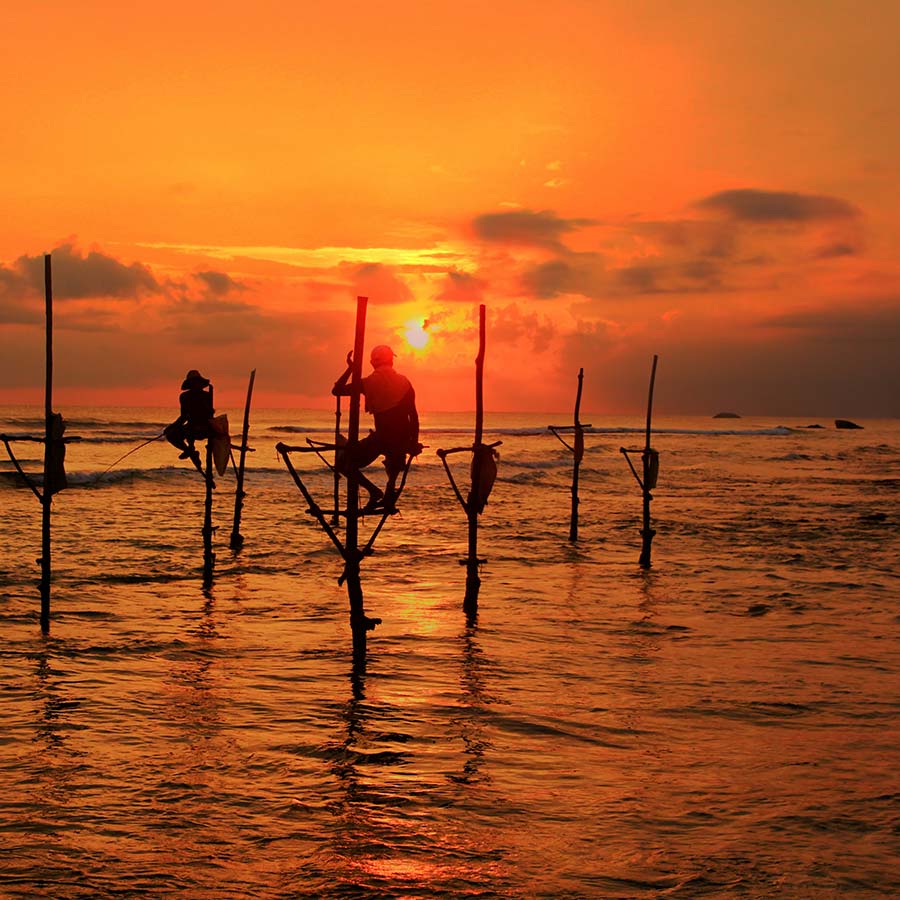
585, 274
219, 283
461, 287
77, 276
215, 321
838, 248
863, 323
526, 227
699, 238
379, 283
751, 205
509, 325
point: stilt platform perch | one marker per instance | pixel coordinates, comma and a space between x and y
483, 472
648, 477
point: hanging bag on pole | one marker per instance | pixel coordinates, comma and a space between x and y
484, 473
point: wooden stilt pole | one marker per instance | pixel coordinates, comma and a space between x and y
647, 479
351, 542
650, 466
336, 517
577, 450
473, 581
578, 454
237, 539
209, 558
46, 493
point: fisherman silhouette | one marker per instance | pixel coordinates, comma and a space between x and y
391, 400
193, 423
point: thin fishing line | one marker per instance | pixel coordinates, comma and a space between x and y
133, 450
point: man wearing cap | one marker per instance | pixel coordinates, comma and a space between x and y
391, 400
193, 423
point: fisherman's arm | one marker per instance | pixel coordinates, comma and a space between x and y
341, 388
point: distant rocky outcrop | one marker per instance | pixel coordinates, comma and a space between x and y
845, 423
726, 415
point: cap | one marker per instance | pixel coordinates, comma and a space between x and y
382, 355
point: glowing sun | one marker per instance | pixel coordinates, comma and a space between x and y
415, 334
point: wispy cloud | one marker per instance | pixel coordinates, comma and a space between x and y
752, 205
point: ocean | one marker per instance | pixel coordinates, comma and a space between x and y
724, 724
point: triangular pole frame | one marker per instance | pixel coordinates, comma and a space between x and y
349, 549
577, 450
647, 479
474, 503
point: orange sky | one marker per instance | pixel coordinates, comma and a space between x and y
714, 181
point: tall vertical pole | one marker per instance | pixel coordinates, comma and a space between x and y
336, 516
578, 454
209, 558
647, 532
473, 582
46, 494
351, 543
237, 539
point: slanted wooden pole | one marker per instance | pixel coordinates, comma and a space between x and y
46, 493
237, 539
473, 581
351, 541
650, 462
209, 558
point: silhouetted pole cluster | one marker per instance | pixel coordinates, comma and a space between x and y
237, 539
54, 477
483, 472
577, 449
350, 549
647, 479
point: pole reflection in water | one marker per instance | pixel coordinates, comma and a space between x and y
52, 704
475, 700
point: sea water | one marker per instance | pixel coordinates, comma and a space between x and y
722, 725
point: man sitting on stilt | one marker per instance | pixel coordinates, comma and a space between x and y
193, 423
391, 400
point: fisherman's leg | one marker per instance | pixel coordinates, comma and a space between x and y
394, 464
354, 459
175, 435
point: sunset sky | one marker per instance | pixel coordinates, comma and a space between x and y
714, 181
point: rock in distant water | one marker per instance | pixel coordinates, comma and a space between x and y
845, 423
726, 415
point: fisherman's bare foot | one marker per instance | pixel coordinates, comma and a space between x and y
374, 504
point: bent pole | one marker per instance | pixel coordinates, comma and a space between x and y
237, 539
46, 494
647, 532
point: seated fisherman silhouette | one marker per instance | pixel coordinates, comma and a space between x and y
193, 422
391, 400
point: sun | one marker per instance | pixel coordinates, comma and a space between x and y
415, 333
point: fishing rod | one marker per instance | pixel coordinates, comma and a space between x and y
133, 450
